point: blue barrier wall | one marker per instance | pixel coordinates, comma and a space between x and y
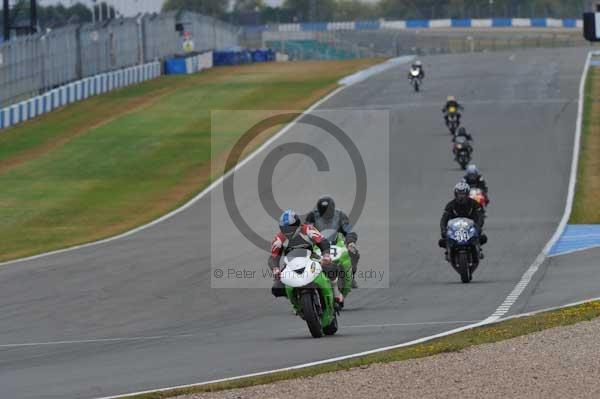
417, 23
460, 23
367, 25
238, 56
539, 22
175, 66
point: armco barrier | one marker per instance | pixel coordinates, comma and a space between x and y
77, 91
568, 23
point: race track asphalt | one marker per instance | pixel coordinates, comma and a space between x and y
139, 313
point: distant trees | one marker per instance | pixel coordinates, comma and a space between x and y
214, 8
249, 6
51, 16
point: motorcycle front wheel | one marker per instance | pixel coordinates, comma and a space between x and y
309, 310
463, 267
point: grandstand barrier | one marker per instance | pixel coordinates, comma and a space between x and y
566, 23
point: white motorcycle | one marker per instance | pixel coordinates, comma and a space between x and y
415, 79
310, 292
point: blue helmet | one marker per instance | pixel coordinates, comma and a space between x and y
289, 222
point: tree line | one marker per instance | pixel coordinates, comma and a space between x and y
58, 15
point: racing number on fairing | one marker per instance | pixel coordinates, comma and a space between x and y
461, 235
333, 251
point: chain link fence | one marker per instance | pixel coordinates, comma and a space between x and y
337, 45
34, 64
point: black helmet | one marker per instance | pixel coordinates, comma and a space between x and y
326, 207
462, 131
461, 192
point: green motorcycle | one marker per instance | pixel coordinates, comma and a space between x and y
341, 257
310, 292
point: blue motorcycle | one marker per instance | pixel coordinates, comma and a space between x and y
463, 246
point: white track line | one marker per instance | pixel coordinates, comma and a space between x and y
95, 341
496, 316
526, 278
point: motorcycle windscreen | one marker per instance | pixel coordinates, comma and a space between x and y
331, 235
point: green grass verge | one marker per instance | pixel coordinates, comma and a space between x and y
482, 335
105, 165
586, 204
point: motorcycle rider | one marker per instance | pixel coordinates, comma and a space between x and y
293, 235
462, 206
463, 132
463, 137
452, 103
474, 179
417, 65
326, 216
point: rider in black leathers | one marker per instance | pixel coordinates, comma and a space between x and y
462, 132
325, 217
462, 137
462, 206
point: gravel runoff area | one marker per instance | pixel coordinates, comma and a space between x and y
562, 362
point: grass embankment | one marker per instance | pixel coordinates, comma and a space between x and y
482, 335
108, 164
586, 205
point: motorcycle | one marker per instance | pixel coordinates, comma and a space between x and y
340, 258
453, 120
309, 290
462, 151
462, 244
415, 80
